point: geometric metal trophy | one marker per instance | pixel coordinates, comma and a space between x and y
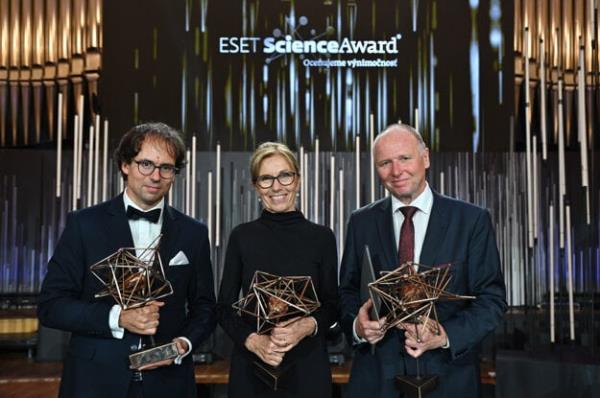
272, 299
133, 281
408, 296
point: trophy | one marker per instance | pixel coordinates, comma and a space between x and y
272, 299
408, 296
133, 281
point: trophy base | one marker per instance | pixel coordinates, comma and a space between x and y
268, 374
153, 355
417, 387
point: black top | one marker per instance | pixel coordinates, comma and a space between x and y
283, 244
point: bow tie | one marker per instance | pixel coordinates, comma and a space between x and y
135, 214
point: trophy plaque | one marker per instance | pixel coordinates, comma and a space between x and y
133, 281
408, 296
272, 299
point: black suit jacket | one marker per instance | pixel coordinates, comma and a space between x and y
457, 232
97, 363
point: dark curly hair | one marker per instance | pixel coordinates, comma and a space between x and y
131, 143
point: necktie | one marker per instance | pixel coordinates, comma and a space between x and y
135, 214
406, 246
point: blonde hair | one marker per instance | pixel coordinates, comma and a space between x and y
268, 149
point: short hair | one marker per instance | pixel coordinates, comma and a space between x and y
400, 127
131, 143
268, 149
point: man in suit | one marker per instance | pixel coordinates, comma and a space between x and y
102, 334
417, 224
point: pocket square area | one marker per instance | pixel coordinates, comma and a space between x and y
179, 259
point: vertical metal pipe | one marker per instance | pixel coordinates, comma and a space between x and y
371, 157
303, 185
357, 170
37, 62
528, 140
75, 149
80, 142
4, 66
78, 26
187, 183
569, 254
96, 159
90, 170
4, 34
93, 24
562, 185
551, 272
105, 164
218, 198
64, 30
50, 47
417, 119
341, 218
535, 188
209, 216
581, 118
305, 172
543, 98
316, 183
59, 147
14, 65
170, 197
193, 176
332, 192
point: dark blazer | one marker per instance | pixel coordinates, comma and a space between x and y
97, 363
457, 232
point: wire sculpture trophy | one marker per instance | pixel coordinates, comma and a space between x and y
273, 299
133, 281
407, 296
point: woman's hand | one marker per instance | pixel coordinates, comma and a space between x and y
265, 349
286, 335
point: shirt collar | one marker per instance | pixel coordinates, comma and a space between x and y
128, 202
423, 202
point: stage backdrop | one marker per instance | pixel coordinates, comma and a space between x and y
243, 72
506, 94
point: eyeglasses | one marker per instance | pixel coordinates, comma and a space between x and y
284, 178
147, 167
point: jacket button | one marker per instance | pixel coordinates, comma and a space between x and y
133, 347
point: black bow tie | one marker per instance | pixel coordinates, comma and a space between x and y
135, 214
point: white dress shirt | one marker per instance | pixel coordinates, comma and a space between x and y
423, 203
144, 234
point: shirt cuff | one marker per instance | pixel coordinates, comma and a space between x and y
447, 345
355, 337
113, 322
316, 327
179, 358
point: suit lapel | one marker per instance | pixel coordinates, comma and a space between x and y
118, 226
436, 231
170, 235
385, 229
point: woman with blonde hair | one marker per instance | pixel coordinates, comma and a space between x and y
280, 242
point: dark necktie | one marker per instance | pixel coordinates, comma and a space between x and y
406, 246
135, 214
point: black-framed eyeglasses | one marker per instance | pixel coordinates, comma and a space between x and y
284, 178
147, 167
